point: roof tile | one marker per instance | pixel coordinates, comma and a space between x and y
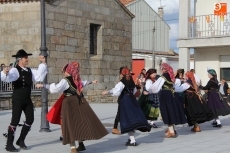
126, 2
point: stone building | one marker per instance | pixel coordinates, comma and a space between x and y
96, 33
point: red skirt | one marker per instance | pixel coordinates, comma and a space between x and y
54, 115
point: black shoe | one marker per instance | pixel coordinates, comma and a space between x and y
214, 123
153, 125
131, 144
128, 141
61, 138
5, 135
81, 147
217, 125
11, 148
21, 144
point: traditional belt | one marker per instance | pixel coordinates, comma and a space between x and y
198, 94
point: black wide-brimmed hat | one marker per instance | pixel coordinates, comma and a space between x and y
21, 53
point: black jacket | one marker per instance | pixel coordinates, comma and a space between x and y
225, 89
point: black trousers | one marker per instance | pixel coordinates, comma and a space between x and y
19, 105
117, 118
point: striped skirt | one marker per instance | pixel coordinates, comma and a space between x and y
79, 122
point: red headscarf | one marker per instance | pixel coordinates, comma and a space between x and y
169, 69
73, 70
125, 71
190, 75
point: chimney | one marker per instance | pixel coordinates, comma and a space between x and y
161, 12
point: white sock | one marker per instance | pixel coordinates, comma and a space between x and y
152, 122
218, 121
72, 145
171, 130
196, 124
131, 136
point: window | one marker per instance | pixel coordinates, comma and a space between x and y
225, 73
94, 28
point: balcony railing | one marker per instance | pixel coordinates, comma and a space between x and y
209, 26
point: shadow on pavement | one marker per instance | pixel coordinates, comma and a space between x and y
44, 144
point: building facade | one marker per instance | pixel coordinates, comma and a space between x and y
208, 34
150, 33
98, 34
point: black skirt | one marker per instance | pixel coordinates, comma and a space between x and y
197, 110
171, 109
217, 104
131, 116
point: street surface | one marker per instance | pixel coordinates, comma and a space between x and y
210, 140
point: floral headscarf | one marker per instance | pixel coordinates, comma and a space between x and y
73, 69
169, 69
190, 75
125, 71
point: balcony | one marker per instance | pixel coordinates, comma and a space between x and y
206, 26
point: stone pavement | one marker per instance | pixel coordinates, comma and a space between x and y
210, 140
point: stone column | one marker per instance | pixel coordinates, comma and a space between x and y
184, 53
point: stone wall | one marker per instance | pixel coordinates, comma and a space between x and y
68, 25
19, 28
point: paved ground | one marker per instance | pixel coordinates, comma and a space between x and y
210, 140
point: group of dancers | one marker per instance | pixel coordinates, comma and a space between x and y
178, 101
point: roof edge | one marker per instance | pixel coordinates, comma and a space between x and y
126, 9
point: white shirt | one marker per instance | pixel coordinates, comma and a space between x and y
221, 90
156, 86
148, 84
61, 86
197, 78
116, 91
182, 87
177, 82
38, 75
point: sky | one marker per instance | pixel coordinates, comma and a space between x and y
171, 16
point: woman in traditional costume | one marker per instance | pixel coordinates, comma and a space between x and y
150, 103
214, 99
131, 115
179, 80
79, 122
170, 107
197, 110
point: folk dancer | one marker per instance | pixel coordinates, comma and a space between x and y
170, 107
214, 98
131, 115
150, 102
22, 78
197, 110
80, 123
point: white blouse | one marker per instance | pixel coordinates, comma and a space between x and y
38, 75
156, 86
116, 91
182, 87
177, 83
61, 86
148, 84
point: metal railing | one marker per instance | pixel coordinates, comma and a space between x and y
209, 26
8, 87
